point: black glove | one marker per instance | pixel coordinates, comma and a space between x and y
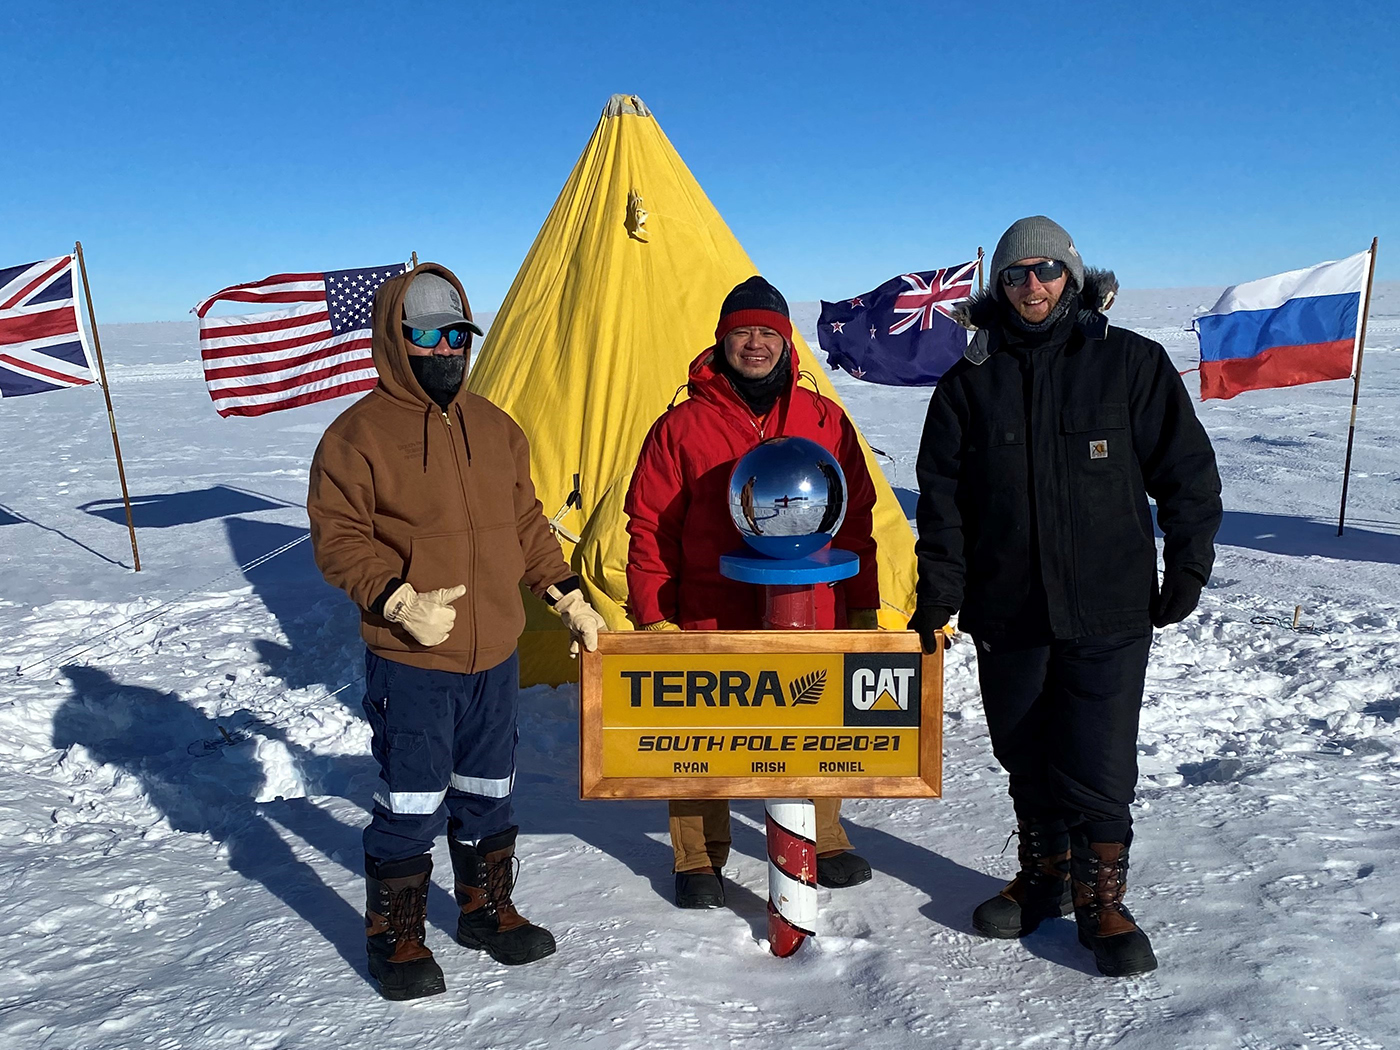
1181, 591
929, 621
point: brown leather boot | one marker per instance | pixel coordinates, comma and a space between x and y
1106, 927
396, 910
489, 922
1040, 889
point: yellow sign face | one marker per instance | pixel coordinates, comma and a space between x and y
761, 714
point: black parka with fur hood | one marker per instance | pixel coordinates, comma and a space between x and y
1037, 460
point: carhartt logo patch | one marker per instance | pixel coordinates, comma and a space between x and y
1098, 449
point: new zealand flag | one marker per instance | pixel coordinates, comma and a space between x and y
902, 333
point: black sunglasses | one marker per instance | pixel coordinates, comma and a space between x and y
428, 338
1015, 276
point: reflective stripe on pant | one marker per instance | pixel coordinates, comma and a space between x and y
700, 831
439, 738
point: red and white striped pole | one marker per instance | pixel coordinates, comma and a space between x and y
791, 823
792, 873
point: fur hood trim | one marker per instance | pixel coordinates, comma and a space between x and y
1099, 291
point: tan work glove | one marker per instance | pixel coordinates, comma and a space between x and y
863, 619
661, 625
428, 616
583, 621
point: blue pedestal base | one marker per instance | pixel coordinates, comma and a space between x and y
826, 566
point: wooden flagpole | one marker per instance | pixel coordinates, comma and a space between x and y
106, 393
979, 267
1356, 387
413, 261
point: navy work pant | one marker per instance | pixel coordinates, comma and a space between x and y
442, 740
1063, 719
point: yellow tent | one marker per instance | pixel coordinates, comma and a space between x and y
620, 291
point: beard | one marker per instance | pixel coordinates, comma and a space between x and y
440, 375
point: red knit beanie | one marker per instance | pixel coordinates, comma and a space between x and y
755, 302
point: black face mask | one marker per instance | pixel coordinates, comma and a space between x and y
759, 394
440, 375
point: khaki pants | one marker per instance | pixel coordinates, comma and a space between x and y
700, 831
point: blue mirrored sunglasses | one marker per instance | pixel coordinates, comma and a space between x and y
428, 338
1045, 272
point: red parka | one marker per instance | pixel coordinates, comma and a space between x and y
678, 504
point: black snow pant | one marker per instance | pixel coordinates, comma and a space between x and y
1063, 719
443, 741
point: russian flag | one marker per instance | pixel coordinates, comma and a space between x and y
1295, 327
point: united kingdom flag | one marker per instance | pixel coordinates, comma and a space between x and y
41, 341
902, 333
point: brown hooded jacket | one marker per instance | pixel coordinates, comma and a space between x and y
403, 490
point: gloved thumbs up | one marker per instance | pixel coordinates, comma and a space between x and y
428, 617
445, 595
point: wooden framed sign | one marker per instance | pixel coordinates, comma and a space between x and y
760, 714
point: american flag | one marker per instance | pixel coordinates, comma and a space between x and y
41, 341
313, 351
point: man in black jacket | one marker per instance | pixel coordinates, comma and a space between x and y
1038, 456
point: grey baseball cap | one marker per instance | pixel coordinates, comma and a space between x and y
432, 302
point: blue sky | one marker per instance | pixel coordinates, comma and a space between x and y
194, 145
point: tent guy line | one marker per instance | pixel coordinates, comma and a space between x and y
87, 644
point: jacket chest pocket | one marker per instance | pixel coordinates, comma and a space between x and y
1000, 437
1096, 436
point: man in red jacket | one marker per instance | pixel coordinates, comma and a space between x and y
743, 390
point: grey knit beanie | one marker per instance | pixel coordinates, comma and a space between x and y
1036, 237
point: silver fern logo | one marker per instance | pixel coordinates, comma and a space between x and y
808, 688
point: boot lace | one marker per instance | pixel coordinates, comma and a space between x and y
1032, 853
407, 913
500, 881
1109, 881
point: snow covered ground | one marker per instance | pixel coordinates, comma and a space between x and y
184, 773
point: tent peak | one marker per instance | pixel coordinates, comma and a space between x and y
620, 104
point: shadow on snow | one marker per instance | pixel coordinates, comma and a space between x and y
1304, 537
148, 734
165, 510
10, 516
320, 623
152, 736
908, 501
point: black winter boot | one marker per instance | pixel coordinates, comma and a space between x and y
396, 909
1040, 889
489, 922
700, 889
843, 869
1105, 926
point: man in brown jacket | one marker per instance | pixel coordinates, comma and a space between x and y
423, 512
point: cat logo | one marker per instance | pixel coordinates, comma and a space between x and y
885, 690
882, 689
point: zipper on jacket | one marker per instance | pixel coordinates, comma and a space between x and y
471, 528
